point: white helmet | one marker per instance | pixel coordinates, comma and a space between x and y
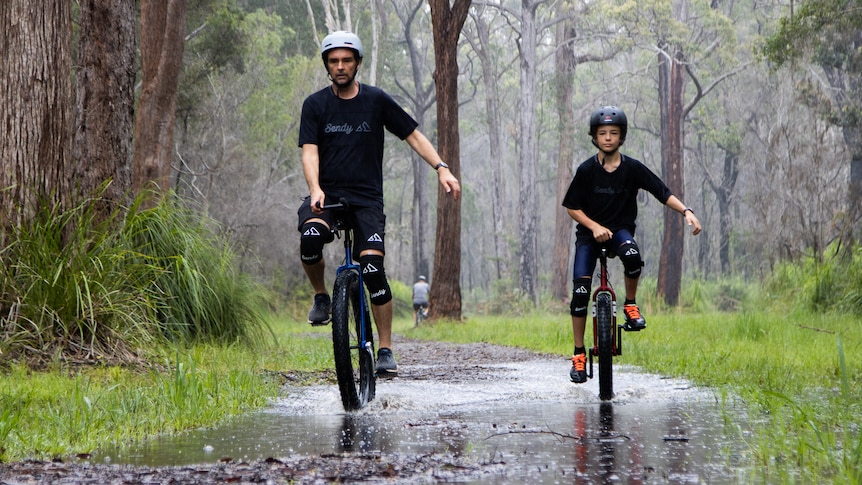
341, 39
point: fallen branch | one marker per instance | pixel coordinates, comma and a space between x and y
815, 329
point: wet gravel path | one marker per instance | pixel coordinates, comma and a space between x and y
449, 362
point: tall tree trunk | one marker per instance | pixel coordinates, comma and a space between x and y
162, 31
105, 100
723, 190
422, 99
671, 85
529, 197
36, 102
495, 147
565, 87
447, 20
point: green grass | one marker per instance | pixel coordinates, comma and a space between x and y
79, 287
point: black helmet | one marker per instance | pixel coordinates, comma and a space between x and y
609, 115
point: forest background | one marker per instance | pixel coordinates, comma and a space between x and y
752, 128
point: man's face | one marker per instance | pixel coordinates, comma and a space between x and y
342, 66
608, 138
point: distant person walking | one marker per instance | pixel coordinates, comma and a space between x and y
421, 289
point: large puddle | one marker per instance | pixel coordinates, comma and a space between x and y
526, 418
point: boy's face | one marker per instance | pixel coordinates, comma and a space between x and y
342, 66
608, 138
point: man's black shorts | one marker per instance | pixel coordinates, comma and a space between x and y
369, 225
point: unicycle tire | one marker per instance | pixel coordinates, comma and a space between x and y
604, 333
354, 365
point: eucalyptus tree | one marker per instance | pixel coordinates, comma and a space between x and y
695, 45
163, 25
105, 101
492, 60
421, 95
534, 19
828, 33
35, 106
447, 20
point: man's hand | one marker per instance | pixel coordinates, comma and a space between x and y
317, 200
449, 182
691, 219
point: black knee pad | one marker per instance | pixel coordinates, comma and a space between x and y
314, 236
580, 296
630, 255
374, 277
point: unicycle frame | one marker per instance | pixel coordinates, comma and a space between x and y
354, 303
607, 334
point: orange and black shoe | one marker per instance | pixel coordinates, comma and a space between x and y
634, 320
578, 374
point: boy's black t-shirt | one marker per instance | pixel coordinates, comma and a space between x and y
349, 136
611, 198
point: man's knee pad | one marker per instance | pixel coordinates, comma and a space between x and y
630, 255
314, 236
374, 277
580, 296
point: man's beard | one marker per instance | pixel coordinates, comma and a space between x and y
345, 84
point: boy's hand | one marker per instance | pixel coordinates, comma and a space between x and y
602, 234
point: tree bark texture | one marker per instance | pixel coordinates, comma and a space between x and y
35, 99
162, 32
447, 21
565, 60
671, 106
105, 101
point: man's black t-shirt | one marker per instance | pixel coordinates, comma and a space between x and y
611, 198
349, 136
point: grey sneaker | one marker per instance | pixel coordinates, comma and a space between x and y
319, 314
386, 366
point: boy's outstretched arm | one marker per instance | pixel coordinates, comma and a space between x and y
674, 203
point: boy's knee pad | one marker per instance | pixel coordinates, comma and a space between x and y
374, 277
630, 255
314, 236
580, 297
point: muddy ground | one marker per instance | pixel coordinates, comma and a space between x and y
450, 363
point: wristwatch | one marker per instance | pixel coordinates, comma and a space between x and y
686, 210
441, 164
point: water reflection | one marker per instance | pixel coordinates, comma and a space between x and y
598, 438
357, 434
